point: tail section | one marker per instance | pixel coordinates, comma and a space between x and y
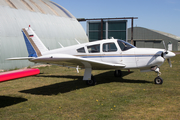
34, 45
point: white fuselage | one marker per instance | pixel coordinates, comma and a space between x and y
141, 58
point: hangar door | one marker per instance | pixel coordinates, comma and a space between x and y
178, 46
97, 30
153, 44
149, 43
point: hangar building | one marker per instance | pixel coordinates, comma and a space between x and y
51, 22
148, 38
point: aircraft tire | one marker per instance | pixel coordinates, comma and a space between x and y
117, 73
158, 80
91, 82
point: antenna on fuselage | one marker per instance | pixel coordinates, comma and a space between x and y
111, 37
60, 44
77, 41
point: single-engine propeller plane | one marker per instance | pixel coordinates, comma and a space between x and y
99, 55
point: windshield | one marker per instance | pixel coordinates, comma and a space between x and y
124, 45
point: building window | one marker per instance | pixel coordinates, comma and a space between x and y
98, 30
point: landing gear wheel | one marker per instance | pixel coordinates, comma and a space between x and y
117, 73
91, 82
158, 80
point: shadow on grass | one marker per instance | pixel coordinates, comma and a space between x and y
8, 101
68, 86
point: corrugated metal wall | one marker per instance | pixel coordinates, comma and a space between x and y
151, 39
51, 27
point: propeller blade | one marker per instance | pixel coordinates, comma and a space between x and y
169, 61
164, 45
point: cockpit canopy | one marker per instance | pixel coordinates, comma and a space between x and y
124, 45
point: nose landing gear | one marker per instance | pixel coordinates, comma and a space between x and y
158, 80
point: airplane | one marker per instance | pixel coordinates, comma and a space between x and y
108, 54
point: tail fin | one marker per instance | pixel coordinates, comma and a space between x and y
34, 45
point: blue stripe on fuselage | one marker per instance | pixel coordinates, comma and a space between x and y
121, 56
31, 51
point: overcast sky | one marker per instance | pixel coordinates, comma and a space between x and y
162, 15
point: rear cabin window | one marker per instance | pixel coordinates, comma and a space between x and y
94, 48
81, 50
109, 47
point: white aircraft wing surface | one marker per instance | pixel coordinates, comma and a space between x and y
74, 61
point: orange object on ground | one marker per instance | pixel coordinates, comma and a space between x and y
5, 76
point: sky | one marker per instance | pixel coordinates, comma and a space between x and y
161, 15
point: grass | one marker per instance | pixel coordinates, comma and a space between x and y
60, 93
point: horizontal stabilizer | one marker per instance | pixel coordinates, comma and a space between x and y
21, 58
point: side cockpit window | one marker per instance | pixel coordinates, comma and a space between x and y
81, 50
94, 48
109, 47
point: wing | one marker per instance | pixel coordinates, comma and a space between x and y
74, 61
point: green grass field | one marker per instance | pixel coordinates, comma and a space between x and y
60, 93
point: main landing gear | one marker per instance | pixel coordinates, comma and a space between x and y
91, 82
158, 80
88, 77
117, 73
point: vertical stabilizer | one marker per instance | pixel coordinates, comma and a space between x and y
34, 45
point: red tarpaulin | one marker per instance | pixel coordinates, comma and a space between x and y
18, 74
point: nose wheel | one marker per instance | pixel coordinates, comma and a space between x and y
158, 80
